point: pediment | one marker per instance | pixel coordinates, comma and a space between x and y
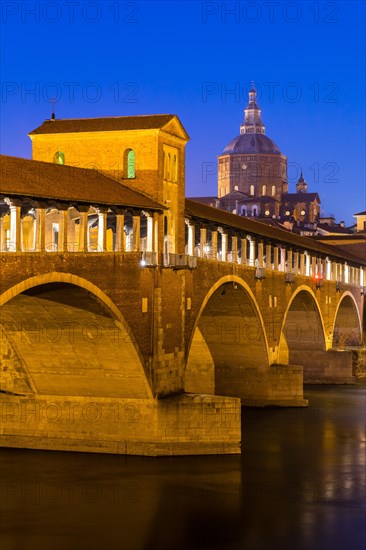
176, 128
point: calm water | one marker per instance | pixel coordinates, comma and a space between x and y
299, 484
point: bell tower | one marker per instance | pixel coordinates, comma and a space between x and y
252, 116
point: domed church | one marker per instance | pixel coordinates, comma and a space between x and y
251, 169
252, 177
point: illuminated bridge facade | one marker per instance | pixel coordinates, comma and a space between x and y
139, 324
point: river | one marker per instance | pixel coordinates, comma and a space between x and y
299, 484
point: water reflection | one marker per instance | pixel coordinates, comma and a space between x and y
300, 483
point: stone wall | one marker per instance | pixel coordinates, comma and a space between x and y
325, 367
178, 425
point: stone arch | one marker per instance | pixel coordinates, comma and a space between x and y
302, 327
228, 345
84, 345
303, 337
347, 325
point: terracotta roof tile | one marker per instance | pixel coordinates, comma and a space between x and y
45, 180
300, 197
67, 125
247, 225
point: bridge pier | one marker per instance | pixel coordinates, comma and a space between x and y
324, 367
278, 385
184, 424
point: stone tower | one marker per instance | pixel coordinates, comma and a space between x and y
145, 152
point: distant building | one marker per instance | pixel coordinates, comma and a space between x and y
360, 221
252, 178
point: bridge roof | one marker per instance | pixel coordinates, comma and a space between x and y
48, 181
206, 214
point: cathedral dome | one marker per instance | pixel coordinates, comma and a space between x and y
249, 144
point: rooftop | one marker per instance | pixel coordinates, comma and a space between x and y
45, 180
300, 197
71, 125
220, 217
251, 144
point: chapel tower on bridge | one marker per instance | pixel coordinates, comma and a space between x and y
145, 153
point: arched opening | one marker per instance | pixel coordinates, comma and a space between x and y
273, 190
302, 340
59, 157
303, 328
251, 190
175, 168
347, 330
169, 167
68, 342
228, 350
264, 190
129, 169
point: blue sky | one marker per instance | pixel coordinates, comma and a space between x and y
196, 59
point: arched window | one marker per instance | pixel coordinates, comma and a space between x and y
175, 168
273, 190
59, 158
243, 210
169, 167
129, 164
251, 190
254, 211
264, 190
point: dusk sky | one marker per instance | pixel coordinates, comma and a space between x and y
196, 59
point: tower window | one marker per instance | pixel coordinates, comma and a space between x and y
273, 190
264, 190
59, 158
251, 190
175, 168
169, 167
129, 164
236, 187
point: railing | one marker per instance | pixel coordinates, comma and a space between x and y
192, 262
185, 261
149, 259
319, 282
182, 261
260, 273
